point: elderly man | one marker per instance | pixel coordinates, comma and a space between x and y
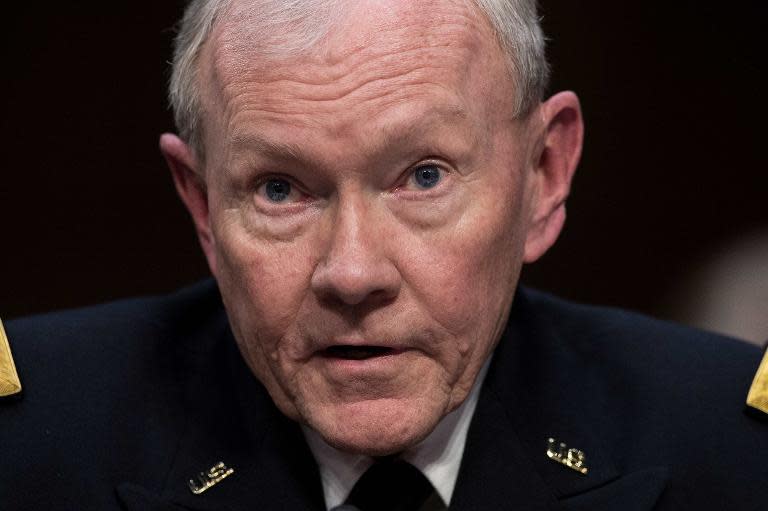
367, 179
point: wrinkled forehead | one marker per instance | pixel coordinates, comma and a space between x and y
258, 36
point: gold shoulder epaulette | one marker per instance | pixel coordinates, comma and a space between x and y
9, 378
758, 393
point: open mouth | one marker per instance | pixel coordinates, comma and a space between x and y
347, 352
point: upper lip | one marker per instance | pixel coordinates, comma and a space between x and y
377, 342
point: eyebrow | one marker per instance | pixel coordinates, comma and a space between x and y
399, 132
267, 147
392, 133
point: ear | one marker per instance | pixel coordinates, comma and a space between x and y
555, 159
190, 185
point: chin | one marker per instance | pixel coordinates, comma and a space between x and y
377, 427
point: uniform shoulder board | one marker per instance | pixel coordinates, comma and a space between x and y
757, 399
10, 385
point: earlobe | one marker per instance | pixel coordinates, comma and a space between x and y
555, 163
191, 187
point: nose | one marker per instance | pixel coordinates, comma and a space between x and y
356, 268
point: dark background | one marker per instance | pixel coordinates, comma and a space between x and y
674, 164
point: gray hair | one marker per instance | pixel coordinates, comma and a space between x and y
516, 23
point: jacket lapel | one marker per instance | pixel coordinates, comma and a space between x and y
231, 419
539, 388
638, 491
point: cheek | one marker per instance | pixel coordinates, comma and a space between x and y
468, 273
472, 293
263, 283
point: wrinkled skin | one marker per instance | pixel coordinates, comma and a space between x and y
359, 252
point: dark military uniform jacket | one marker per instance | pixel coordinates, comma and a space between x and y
123, 404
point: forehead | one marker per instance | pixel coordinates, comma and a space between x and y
336, 29
367, 54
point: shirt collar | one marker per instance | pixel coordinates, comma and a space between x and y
438, 456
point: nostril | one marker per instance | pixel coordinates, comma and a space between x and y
355, 284
356, 301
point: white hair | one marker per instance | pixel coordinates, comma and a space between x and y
515, 22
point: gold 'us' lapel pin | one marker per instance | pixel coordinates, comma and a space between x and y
571, 458
206, 480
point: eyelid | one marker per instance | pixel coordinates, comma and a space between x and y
262, 180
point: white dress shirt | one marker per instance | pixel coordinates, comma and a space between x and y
438, 456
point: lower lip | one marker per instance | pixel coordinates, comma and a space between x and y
376, 363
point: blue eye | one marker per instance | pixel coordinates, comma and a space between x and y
427, 176
277, 190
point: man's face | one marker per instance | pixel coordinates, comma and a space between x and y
369, 202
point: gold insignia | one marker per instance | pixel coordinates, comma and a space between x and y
758, 393
571, 458
209, 479
9, 378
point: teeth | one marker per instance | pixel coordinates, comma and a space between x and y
357, 352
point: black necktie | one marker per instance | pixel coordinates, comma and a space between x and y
392, 485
